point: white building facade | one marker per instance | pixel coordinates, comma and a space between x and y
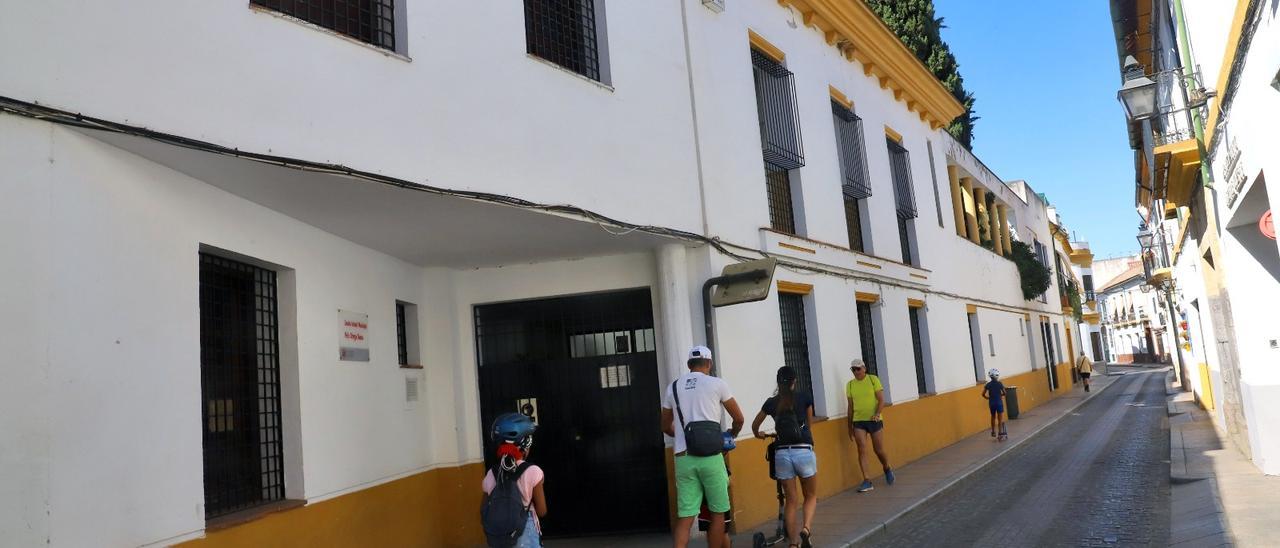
273, 273
1202, 160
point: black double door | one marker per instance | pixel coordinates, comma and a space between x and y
585, 368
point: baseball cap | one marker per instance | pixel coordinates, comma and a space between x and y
699, 353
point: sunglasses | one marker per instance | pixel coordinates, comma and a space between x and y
857, 368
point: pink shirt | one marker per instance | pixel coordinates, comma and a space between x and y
531, 477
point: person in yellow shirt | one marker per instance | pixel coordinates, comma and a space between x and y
1085, 366
866, 399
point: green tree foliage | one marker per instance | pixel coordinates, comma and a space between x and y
915, 24
1035, 277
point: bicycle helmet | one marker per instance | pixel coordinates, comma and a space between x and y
993, 373
512, 428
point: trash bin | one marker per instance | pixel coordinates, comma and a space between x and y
1011, 401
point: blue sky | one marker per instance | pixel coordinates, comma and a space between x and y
1045, 78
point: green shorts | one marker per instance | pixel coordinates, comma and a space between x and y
698, 477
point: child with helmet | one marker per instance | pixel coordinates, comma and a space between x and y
512, 433
993, 392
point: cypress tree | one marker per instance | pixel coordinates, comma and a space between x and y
915, 24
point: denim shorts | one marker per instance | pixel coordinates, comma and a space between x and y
789, 463
530, 537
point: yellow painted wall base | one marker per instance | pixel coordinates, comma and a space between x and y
912, 430
434, 508
1206, 389
439, 507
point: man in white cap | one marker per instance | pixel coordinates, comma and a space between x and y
695, 398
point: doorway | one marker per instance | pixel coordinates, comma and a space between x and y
1095, 343
585, 368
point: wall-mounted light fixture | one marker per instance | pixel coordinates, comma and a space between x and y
1138, 94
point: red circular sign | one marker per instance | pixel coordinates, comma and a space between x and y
1267, 226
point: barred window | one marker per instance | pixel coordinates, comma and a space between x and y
853, 158
900, 165
867, 336
369, 21
905, 239
795, 339
564, 32
776, 108
782, 215
402, 343
853, 223
917, 345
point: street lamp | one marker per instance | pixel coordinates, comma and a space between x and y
1138, 94
1145, 237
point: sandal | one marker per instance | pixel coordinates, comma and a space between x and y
804, 538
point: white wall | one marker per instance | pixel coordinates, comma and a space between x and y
122, 366
471, 110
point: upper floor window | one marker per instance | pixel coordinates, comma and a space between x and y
369, 21
567, 33
854, 182
779, 136
904, 198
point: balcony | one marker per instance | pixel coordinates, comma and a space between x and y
1155, 260
1175, 154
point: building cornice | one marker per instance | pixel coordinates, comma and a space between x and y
859, 34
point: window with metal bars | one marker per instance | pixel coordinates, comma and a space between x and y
852, 154
402, 343
900, 166
369, 21
564, 32
795, 339
853, 223
867, 336
903, 195
1044, 260
776, 108
240, 386
782, 216
904, 238
917, 345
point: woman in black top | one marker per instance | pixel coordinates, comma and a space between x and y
793, 457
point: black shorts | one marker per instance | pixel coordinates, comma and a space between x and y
869, 427
1084, 375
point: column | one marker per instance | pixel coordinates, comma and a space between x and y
1004, 229
676, 334
997, 239
980, 205
970, 210
957, 199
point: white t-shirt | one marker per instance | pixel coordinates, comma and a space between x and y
700, 400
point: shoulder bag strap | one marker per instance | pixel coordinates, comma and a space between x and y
676, 395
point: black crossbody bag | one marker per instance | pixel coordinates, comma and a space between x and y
701, 438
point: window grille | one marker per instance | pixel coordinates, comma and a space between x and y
853, 158
240, 385
795, 339
867, 336
402, 341
904, 239
564, 32
903, 195
782, 216
369, 21
776, 107
922, 383
853, 223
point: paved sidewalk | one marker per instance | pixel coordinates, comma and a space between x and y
849, 517
1218, 498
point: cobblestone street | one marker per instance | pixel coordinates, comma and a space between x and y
1099, 477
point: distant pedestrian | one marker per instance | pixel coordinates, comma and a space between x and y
994, 393
695, 400
513, 501
865, 396
1086, 370
793, 455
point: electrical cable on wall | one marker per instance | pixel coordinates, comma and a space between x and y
608, 224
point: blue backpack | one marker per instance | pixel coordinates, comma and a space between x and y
504, 514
